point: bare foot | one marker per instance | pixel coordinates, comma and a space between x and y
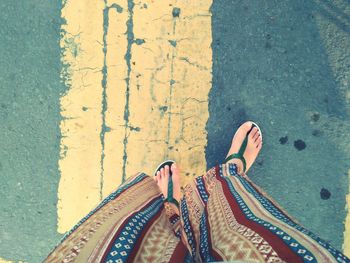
254, 145
162, 179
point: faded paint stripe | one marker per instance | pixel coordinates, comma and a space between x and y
81, 107
116, 48
138, 78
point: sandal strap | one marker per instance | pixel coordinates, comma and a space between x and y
170, 197
241, 150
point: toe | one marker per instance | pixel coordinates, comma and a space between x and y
254, 133
166, 172
257, 137
247, 125
161, 174
259, 140
157, 177
174, 169
175, 172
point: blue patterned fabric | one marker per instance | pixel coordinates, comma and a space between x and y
204, 242
269, 206
201, 189
291, 242
129, 234
187, 227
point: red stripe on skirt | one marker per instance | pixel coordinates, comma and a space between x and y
282, 249
179, 253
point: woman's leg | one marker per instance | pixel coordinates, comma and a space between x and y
227, 217
131, 225
240, 223
197, 193
172, 211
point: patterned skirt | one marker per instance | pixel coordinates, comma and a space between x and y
224, 216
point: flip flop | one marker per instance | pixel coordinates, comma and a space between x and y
170, 197
241, 150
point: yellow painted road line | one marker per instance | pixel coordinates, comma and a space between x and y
170, 85
80, 163
138, 77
